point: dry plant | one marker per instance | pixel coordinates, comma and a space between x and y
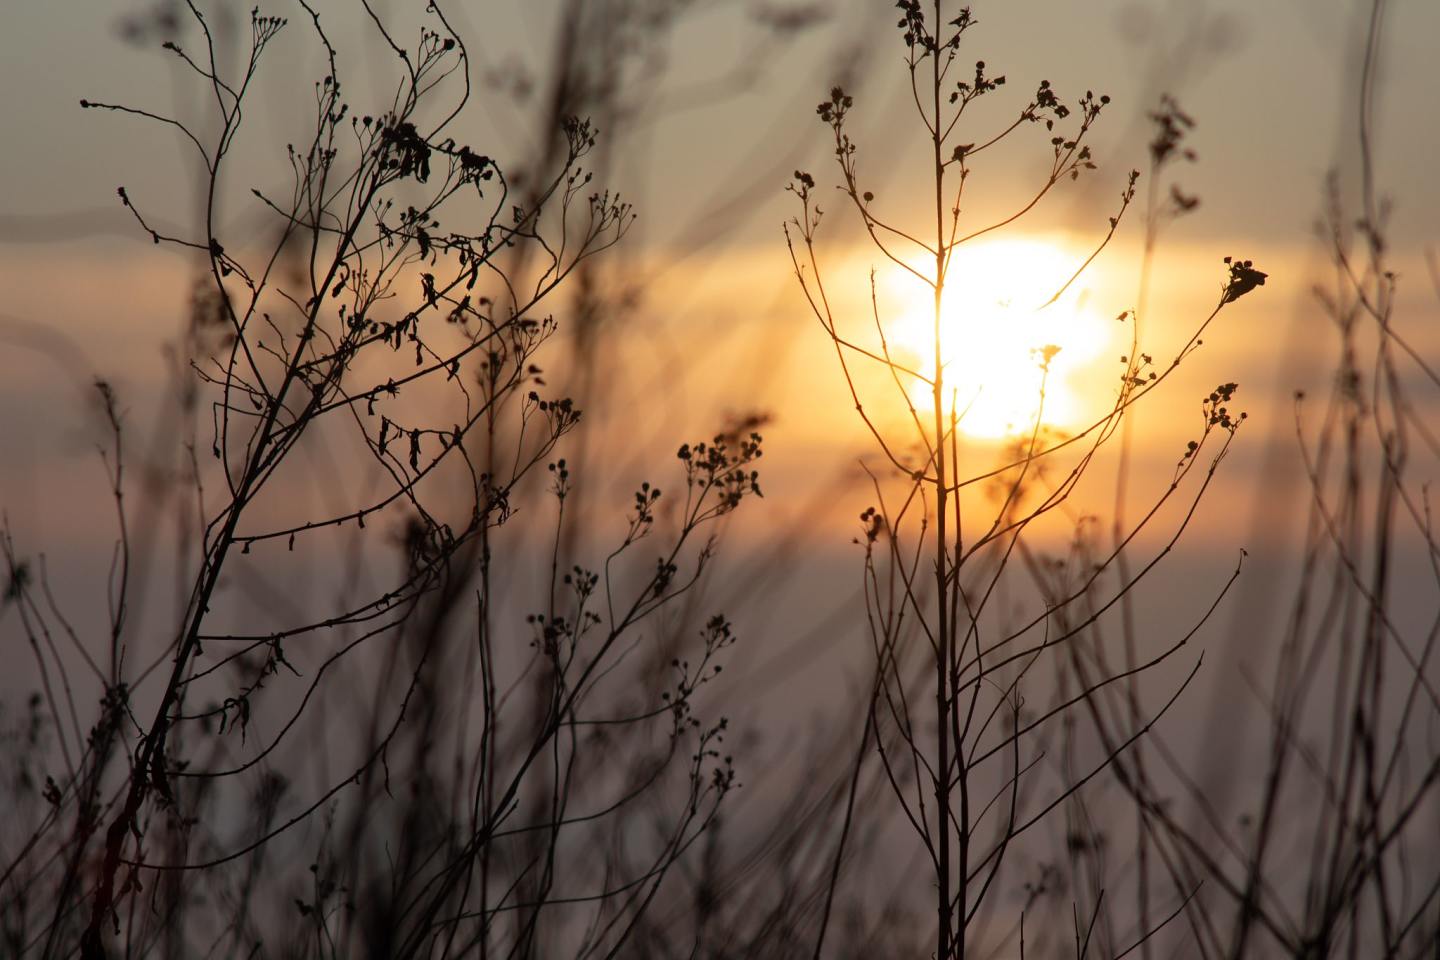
451, 760
947, 726
1331, 854
506, 784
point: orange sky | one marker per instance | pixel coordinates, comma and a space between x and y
713, 130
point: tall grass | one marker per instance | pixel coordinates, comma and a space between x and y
414, 767
426, 692
947, 716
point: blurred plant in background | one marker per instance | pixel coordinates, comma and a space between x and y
484, 791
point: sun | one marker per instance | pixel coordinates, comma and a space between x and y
996, 333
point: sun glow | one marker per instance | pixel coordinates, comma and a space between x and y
995, 335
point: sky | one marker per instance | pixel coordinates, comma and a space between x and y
715, 116
716, 113
1269, 85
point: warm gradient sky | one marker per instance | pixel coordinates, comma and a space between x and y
715, 119
718, 118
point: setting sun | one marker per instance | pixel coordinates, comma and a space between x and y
995, 330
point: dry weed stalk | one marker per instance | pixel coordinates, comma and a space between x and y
947, 721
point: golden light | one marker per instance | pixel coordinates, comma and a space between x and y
995, 327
